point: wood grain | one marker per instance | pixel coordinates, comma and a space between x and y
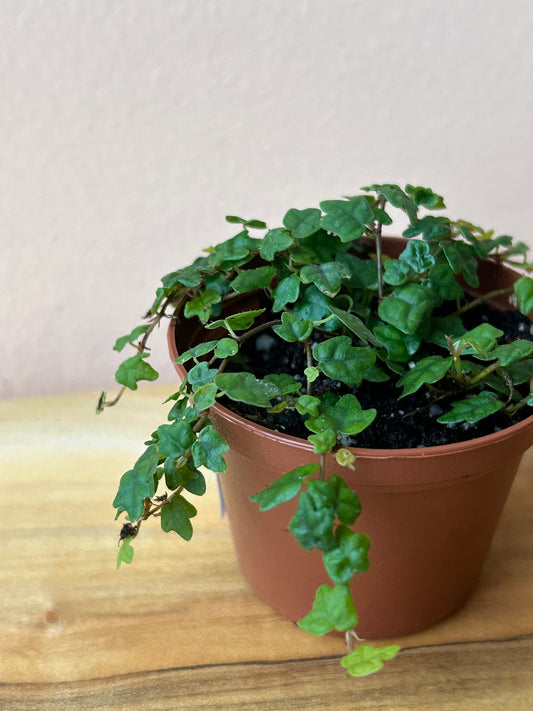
180, 628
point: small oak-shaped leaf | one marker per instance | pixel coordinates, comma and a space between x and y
349, 558
523, 288
312, 526
347, 504
286, 292
397, 198
226, 347
201, 305
308, 405
417, 256
425, 197
339, 360
134, 369
368, 659
235, 220
250, 279
200, 374
511, 352
137, 484
293, 329
427, 370
302, 223
285, 488
408, 308
285, 383
443, 284
344, 414
125, 552
245, 387
175, 439
400, 346
333, 608
205, 396
197, 351
430, 227
328, 277
473, 409
480, 340
355, 325
462, 259
347, 218
275, 241
209, 448
188, 276
323, 441
236, 322
130, 338
176, 516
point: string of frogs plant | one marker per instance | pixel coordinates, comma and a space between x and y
357, 316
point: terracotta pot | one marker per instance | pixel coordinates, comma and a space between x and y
430, 512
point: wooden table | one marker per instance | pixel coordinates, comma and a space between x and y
180, 628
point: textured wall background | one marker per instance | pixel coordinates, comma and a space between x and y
129, 129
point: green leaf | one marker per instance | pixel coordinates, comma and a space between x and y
286, 292
344, 415
308, 405
346, 503
251, 279
367, 659
400, 346
257, 224
333, 608
245, 387
188, 276
425, 197
233, 251
397, 198
417, 255
430, 227
323, 441
125, 552
236, 322
327, 277
339, 360
396, 272
427, 370
285, 488
408, 308
209, 448
176, 516
312, 304
285, 384
175, 439
473, 409
349, 558
205, 396
273, 242
201, 305
197, 351
293, 329
443, 284
355, 325
462, 259
137, 484
133, 369
200, 374
511, 352
131, 338
480, 340
523, 288
312, 525
186, 475
302, 223
347, 218
226, 347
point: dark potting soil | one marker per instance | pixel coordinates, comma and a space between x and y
407, 423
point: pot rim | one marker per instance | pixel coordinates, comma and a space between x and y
520, 428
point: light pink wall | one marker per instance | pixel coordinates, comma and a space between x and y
128, 130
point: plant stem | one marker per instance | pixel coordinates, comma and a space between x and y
481, 299
381, 204
309, 359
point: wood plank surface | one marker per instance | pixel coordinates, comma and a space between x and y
180, 628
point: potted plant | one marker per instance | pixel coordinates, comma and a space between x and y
339, 375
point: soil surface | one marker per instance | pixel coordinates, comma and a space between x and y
407, 423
